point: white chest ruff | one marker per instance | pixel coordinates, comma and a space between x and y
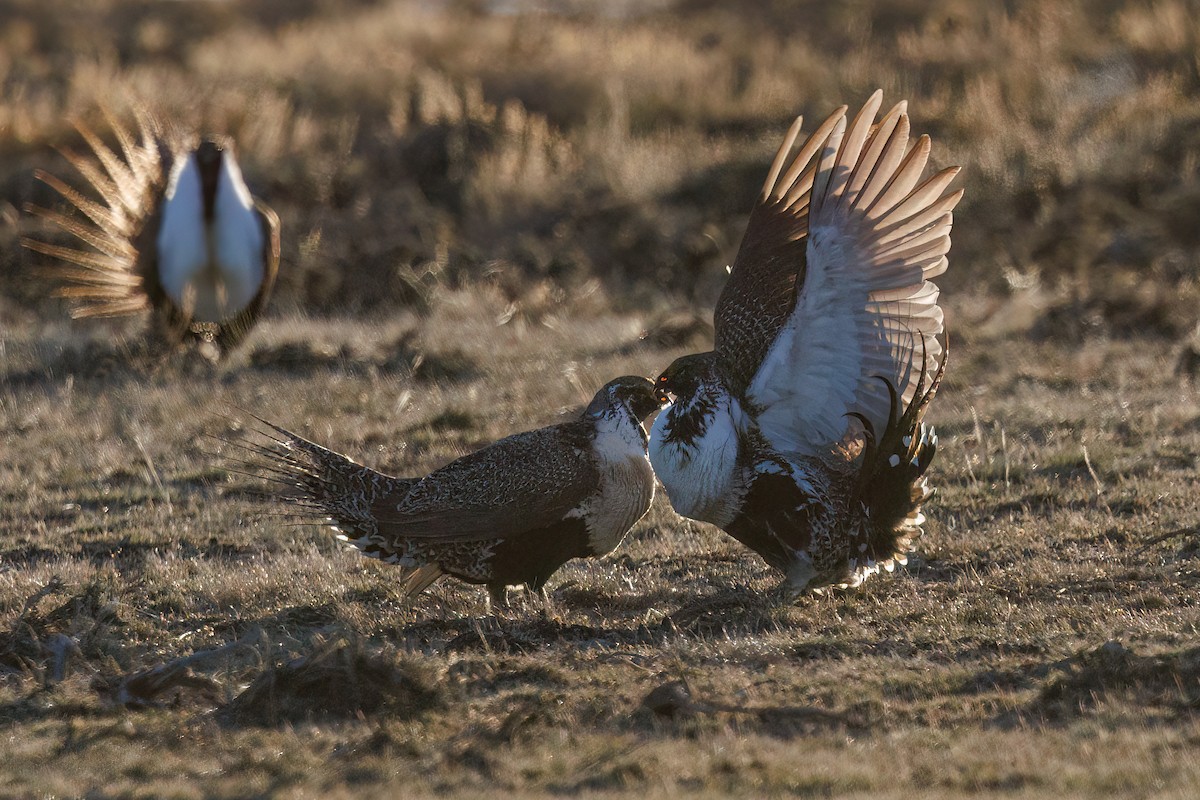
701, 477
210, 270
626, 485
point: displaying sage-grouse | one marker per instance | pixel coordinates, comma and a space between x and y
175, 232
509, 514
801, 433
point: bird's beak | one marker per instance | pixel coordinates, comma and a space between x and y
661, 391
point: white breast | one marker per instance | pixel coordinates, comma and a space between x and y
701, 478
626, 483
212, 271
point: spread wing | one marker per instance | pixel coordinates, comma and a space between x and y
517, 484
864, 308
761, 291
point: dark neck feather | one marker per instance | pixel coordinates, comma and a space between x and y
688, 423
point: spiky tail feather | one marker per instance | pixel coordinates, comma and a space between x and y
102, 281
892, 485
322, 483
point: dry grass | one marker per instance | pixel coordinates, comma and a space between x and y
408, 147
1043, 640
486, 217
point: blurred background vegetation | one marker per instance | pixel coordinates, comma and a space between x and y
573, 156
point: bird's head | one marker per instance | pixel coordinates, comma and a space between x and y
684, 377
633, 392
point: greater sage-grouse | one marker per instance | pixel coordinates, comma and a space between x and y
800, 434
509, 514
172, 230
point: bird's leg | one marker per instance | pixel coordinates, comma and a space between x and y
549, 611
497, 597
800, 576
785, 594
803, 582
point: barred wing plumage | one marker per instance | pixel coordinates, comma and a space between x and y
864, 307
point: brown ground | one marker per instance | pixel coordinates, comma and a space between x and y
549, 202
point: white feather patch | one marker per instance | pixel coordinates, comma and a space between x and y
215, 269
699, 477
626, 486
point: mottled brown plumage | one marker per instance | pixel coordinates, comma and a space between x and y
511, 513
760, 294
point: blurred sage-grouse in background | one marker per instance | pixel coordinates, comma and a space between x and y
509, 514
800, 433
175, 232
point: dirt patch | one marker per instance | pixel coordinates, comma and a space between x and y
1169, 682
340, 680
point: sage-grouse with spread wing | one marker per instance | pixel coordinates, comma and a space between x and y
175, 232
801, 433
509, 514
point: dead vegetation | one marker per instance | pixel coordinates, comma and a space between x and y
486, 216
339, 680
410, 148
194, 640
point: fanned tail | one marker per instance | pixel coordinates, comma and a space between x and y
892, 485
320, 483
102, 279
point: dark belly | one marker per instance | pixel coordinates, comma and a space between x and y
533, 556
775, 519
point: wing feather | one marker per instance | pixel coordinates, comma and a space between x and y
937, 213
808, 150
518, 484
889, 157
917, 236
851, 149
761, 291
925, 194
780, 159
874, 235
874, 151
826, 169
904, 180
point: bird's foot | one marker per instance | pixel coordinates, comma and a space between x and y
786, 594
